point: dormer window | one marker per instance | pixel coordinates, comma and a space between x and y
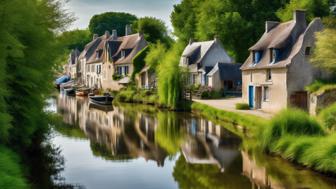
274, 55
123, 53
257, 55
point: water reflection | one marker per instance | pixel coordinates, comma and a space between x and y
190, 152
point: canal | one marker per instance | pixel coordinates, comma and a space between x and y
140, 147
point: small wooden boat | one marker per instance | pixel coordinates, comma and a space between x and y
101, 100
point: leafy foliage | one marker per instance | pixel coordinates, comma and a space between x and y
109, 21
153, 29
170, 77
139, 61
324, 54
237, 26
314, 8
10, 172
28, 51
75, 39
155, 55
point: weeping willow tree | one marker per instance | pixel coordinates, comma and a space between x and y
170, 77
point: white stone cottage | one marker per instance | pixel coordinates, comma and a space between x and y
278, 69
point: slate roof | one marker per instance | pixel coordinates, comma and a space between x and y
288, 37
196, 51
227, 71
131, 44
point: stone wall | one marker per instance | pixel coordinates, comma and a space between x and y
318, 101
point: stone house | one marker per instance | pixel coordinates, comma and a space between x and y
86, 56
204, 61
146, 78
94, 62
278, 70
73, 63
119, 55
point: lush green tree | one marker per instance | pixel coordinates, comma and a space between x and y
324, 53
75, 39
153, 29
237, 26
314, 8
183, 19
109, 21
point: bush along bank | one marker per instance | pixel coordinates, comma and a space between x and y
297, 137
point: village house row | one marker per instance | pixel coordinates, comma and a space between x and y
272, 78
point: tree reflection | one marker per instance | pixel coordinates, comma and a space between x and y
169, 134
201, 176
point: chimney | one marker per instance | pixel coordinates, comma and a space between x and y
128, 29
95, 36
216, 38
191, 41
107, 34
300, 16
114, 34
270, 25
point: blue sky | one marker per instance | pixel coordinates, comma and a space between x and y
85, 9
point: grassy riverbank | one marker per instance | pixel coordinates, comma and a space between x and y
292, 134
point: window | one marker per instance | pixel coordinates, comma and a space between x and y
126, 70
268, 75
275, 56
98, 69
123, 53
251, 77
308, 51
257, 55
266, 94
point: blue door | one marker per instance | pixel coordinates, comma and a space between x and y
251, 96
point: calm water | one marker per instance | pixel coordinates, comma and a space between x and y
139, 147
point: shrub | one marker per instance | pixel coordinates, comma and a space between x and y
293, 122
328, 117
242, 106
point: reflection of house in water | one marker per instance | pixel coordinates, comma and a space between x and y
210, 144
114, 134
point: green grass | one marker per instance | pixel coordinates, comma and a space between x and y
296, 136
11, 176
249, 122
242, 106
133, 95
328, 117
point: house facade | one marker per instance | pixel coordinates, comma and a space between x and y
73, 63
120, 52
146, 78
107, 61
278, 69
204, 62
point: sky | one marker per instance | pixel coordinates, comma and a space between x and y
85, 9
